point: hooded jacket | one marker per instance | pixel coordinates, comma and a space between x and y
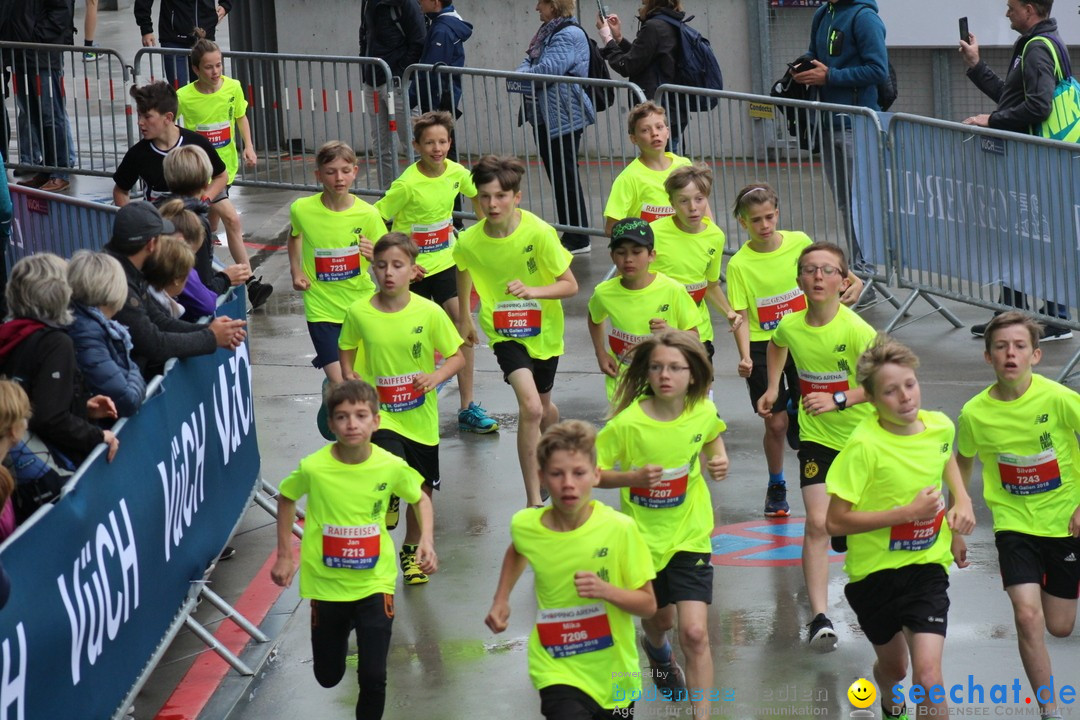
39, 21
102, 352
850, 41
42, 360
178, 19
649, 61
446, 36
1024, 97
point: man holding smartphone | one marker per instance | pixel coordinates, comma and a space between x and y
847, 61
1023, 100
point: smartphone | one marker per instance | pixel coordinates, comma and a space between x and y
604, 10
965, 35
801, 65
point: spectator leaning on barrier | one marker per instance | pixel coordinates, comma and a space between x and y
155, 336
650, 60
560, 112
1023, 102
177, 21
42, 121
102, 345
850, 61
393, 31
36, 353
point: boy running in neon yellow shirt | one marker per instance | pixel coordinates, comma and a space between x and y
690, 247
333, 233
638, 191
347, 557
389, 340
421, 204
762, 286
636, 302
1032, 487
885, 495
593, 574
521, 271
825, 340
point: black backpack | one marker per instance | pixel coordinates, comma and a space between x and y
601, 97
888, 91
697, 65
801, 122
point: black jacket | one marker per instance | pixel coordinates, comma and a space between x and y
43, 363
650, 60
1023, 98
39, 21
394, 31
155, 335
178, 19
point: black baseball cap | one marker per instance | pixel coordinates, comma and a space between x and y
633, 230
136, 224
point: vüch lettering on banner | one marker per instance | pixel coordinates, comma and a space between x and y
182, 482
94, 611
233, 412
13, 687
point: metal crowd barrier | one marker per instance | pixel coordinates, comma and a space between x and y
985, 217
494, 119
56, 223
298, 102
68, 114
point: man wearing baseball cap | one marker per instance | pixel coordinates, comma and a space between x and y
155, 335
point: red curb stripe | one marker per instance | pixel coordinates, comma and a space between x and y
204, 677
263, 246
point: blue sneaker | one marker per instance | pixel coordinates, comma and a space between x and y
776, 505
475, 419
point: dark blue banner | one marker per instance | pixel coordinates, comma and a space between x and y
98, 579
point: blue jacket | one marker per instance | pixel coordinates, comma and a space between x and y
103, 354
561, 107
857, 59
446, 37
6, 209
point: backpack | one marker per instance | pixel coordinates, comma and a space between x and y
1063, 122
888, 91
601, 97
801, 121
696, 64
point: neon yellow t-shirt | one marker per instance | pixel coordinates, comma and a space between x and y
587, 644
331, 254
638, 191
879, 470
764, 284
346, 553
1028, 452
676, 515
423, 207
692, 259
531, 254
396, 348
214, 116
631, 310
825, 358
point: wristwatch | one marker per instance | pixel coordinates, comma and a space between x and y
840, 398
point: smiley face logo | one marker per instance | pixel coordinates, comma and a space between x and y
862, 693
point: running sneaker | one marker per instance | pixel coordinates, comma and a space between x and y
475, 419
322, 418
409, 569
1051, 332
776, 505
393, 512
822, 636
666, 675
258, 292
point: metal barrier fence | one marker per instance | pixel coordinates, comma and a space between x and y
985, 217
298, 102
51, 222
70, 115
508, 112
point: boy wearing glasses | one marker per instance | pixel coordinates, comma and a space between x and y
825, 340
